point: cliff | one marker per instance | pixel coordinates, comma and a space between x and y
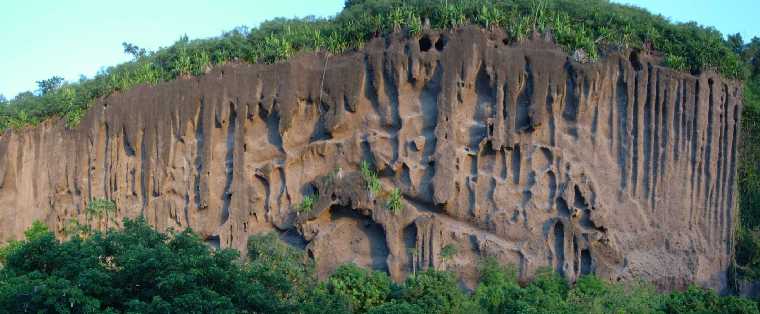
618, 167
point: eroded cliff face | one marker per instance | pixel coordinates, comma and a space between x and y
620, 167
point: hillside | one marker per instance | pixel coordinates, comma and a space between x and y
416, 137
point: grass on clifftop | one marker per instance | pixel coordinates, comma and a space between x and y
585, 26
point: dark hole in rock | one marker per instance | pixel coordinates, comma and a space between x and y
425, 43
293, 238
586, 267
213, 241
634, 59
440, 43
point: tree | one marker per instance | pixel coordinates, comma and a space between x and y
350, 3
363, 289
435, 292
46, 86
751, 55
136, 269
133, 50
735, 42
37, 230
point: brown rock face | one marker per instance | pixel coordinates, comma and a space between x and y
620, 167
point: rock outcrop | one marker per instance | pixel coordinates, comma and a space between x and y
619, 167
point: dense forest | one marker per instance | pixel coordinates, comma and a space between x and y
137, 269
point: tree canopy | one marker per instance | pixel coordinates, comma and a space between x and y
137, 269
592, 26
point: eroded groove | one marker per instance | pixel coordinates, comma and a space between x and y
524, 117
143, 171
677, 112
694, 139
732, 178
635, 131
622, 105
229, 163
708, 147
648, 124
429, 106
516, 161
570, 112
199, 154
559, 247
391, 91
550, 111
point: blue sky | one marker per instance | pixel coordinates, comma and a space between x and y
43, 38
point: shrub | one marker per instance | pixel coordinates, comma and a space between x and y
577, 25
394, 201
435, 292
139, 270
307, 204
363, 289
35, 231
101, 209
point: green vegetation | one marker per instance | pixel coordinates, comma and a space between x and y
101, 209
590, 27
394, 201
361, 289
448, 252
37, 229
139, 270
370, 178
747, 256
307, 204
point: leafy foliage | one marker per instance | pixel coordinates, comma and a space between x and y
394, 201
435, 292
307, 204
587, 27
370, 178
35, 231
139, 270
362, 289
747, 253
448, 251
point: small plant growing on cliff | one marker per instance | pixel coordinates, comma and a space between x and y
307, 204
676, 62
394, 201
447, 253
100, 208
413, 24
73, 227
370, 178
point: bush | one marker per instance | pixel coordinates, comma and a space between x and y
362, 289
307, 204
139, 270
587, 26
35, 231
394, 201
435, 292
